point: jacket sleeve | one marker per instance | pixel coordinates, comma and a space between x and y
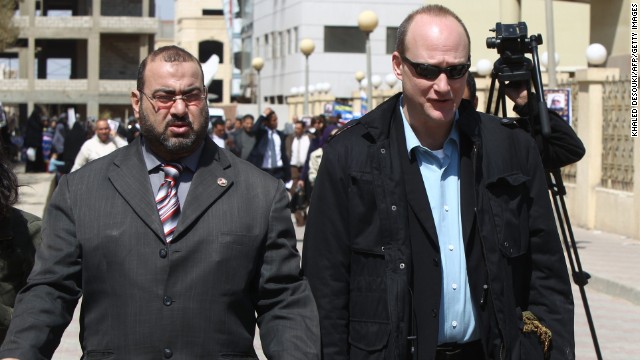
562, 147
326, 258
287, 314
550, 297
44, 307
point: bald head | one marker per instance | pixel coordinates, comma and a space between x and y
433, 11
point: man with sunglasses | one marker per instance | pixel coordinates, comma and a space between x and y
177, 247
431, 234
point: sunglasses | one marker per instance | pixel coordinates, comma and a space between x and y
431, 72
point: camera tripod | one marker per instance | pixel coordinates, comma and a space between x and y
520, 68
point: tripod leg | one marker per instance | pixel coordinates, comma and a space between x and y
580, 277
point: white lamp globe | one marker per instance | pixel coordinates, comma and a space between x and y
544, 59
327, 87
294, 90
376, 81
391, 80
596, 54
484, 67
312, 88
364, 82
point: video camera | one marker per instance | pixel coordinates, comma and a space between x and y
513, 42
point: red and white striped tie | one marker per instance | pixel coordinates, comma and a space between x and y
167, 199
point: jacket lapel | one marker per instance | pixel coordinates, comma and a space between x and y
130, 178
416, 193
468, 127
212, 179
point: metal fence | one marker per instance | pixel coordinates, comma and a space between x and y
617, 145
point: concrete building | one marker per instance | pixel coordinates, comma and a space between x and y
100, 43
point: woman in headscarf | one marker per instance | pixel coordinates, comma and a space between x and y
33, 142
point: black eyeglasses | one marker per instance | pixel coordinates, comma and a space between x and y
167, 101
431, 72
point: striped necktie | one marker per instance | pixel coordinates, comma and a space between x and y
167, 199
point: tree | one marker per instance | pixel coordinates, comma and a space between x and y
8, 32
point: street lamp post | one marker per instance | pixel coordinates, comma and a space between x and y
306, 46
257, 63
367, 22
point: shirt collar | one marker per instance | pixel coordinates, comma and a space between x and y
152, 161
412, 139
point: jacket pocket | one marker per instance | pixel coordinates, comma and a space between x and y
98, 355
509, 199
364, 225
368, 287
367, 335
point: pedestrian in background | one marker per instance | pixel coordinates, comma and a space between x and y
297, 146
243, 139
33, 142
102, 143
269, 152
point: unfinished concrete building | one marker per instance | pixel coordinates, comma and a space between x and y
77, 53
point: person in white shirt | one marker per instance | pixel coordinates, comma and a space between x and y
297, 146
101, 144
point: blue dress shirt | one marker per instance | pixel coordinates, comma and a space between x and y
440, 170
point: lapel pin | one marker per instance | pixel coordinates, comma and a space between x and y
222, 182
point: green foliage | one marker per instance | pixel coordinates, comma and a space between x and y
8, 32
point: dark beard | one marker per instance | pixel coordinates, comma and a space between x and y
161, 141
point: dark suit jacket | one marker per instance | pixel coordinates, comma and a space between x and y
233, 255
260, 148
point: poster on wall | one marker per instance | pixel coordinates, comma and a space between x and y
559, 100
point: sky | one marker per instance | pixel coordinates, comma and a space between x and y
164, 9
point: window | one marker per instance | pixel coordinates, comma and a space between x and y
392, 35
344, 39
58, 68
209, 47
210, 12
275, 37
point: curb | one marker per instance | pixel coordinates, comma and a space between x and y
614, 289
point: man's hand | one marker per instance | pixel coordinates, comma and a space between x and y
517, 92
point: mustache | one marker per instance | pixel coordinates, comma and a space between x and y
179, 119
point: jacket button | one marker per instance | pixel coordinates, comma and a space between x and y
436, 262
163, 253
167, 353
434, 312
401, 266
167, 300
394, 208
383, 151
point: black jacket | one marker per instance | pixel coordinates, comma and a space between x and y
371, 249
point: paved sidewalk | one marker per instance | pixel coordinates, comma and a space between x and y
613, 292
